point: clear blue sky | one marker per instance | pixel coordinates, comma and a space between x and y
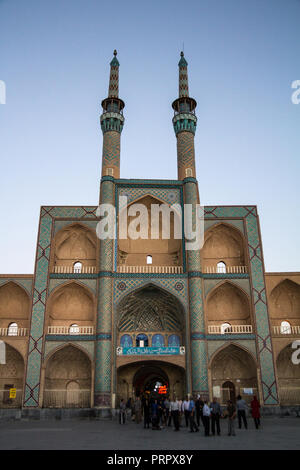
243, 57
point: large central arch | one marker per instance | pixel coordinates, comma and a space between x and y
139, 377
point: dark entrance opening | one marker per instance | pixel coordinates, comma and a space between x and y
152, 381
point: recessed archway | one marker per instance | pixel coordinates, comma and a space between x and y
74, 243
228, 303
71, 303
138, 378
223, 242
164, 249
68, 378
288, 374
285, 302
233, 364
11, 376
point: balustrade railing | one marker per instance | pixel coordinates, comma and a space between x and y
226, 270
150, 269
13, 331
286, 330
70, 330
72, 270
219, 329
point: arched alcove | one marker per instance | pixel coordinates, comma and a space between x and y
74, 243
151, 309
138, 252
14, 305
68, 379
285, 302
233, 364
223, 243
11, 376
228, 303
288, 373
71, 303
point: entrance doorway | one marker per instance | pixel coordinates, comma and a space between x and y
152, 381
228, 391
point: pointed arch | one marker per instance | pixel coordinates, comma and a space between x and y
15, 302
75, 242
163, 310
71, 302
228, 302
233, 364
224, 242
67, 364
164, 251
285, 301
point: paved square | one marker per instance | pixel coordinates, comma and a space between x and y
85, 434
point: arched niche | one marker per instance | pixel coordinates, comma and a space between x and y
285, 302
223, 243
151, 309
72, 244
228, 303
14, 305
68, 379
11, 376
233, 364
288, 373
163, 252
71, 303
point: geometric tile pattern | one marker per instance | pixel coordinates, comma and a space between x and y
40, 293
263, 336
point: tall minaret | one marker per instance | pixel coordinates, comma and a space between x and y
184, 122
112, 122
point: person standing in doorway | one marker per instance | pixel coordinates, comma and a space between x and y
255, 406
241, 410
206, 417
216, 413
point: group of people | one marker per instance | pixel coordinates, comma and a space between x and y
191, 411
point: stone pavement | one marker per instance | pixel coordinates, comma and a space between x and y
276, 433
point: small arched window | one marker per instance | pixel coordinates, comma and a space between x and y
225, 328
221, 267
77, 267
142, 341
74, 329
285, 328
12, 329
149, 259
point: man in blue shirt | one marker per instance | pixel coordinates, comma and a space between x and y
192, 409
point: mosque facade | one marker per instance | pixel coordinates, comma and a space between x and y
108, 318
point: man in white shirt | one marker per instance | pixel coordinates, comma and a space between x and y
186, 410
206, 418
174, 409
